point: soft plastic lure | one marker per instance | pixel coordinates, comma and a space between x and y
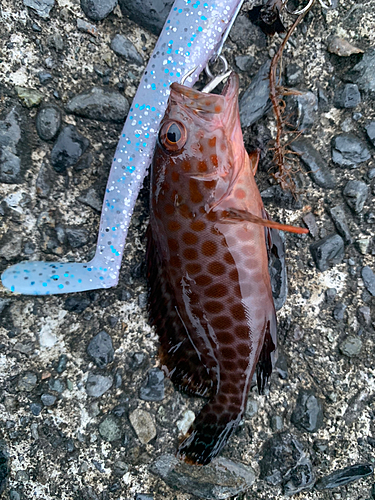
193, 34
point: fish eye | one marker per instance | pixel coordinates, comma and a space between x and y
172, 135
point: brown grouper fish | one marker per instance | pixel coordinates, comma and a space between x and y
210, 294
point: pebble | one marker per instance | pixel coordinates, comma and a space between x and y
185, 422
328, 251
22, 476
314, 162
347, 96
27, 382
13, 495
355, 194
10, 163
368, 277
97, 385
41, 7
294, 75
364, 315
68, 149
344, 476
110, 429
91, 198
310, 222
100, 349
4, 466
98, 9
351, 346
44, 77
348, 150
142, 496
370, 131
285, 462
29, 97
363, 73
76, 304
123, 47
143, 425
339, 218
245, 62
255, 101
363, 245
150, 14
48, 399
56, 385
276, 423
48, 122
45, 180
153, 388
87, 27
77, 236
302, 110
222, 478
99, 104
36, 408
308, 413
339, 311
142, 300
120, 468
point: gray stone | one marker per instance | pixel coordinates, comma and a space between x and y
351, 346
301, 110
344, 476
45, 180
143, 425
243, 30
48, 122
150, 14
76, 304
364, 315
87, 27
61, 364
339, 311
48, 399
293, 75
120, 468
44, 77
348, 150
11, 245
368, 279
14, 495
314, 162
27, 382
36, 408
101, 349
41, 7
4, 466
347, 96
363, 244
328, 251
123, 47
222, 478
99, 104
68, 149
77, 236
56, 385
244, 63
92, 199
10, 163
308, 413
363, 73
97, 385
153, 388
110, 429
142, 300
370, 131
339, 218
355, 194
255, 101
98, 9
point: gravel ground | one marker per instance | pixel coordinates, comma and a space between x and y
85, 411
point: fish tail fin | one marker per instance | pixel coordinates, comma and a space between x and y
209, 433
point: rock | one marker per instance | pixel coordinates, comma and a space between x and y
301, 110
185, 422
243, 29
347, 96
44, 77
308, 413
150, 14
293, 75
101, 349
255, 101
348, 150
339, 311
68, 149
276, 423
11, 245
310, 222
92, 199
339, 218
36, 408
4, 466
355, 194
344, 476
328, 251
222, 478
123, 47
143, 425
351, 346
77, 236
41, 7
142, 496
280, 198
312, 159
97, 385
370, 131
153, 388
364, 315
110, 429
363, 244
87, 27
363, 73
142, 300
29, 97
56, 385
45, 180
76, 304
10, 135
98, 9
48, 399
342, 47
120, 468
285, 462
277, 270
99, 104
368, 279
27, 382
244, 63
48, 122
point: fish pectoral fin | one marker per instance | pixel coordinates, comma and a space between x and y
266, 358
234, 215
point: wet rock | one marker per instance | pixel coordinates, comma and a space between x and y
4, 466
339, 311
302, 110
255, 101
27, 382
243, 29
41, 7
153, 389
244, 63
328, 251
308, 413
99, 104
48, 399
368, 277
143, 425
48, 122
92, 199
11, 245
29, 97
101, 349
45, 181
222, 478
355, 194
150, 14
314, 162
76, 304
10, 163
339, 219
77, 237
344, 476
351, 346
349, 150
370, 131
97, 385
98, 9
123, 47
363, 73
347, 96
110, 429
68, 149
285, 462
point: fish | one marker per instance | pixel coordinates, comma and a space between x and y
208, 244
